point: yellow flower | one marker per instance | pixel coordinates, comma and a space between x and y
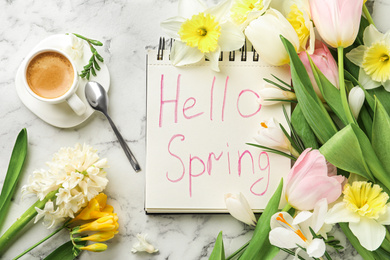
105, 223
297, 20
96, 208
98, 237
376, 61
97, 247
201, 31
244, 11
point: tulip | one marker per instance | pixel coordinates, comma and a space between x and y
143, 245
264, 34
356, 99
337, 21
325, 62
239, 208
308, 181
271, 92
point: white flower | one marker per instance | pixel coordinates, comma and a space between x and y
238, 207
287, 232
50, 216
269, 91
143, 245
201, 32
78, 175
356, 99
272, 136
245, 11
75, 48
366, 209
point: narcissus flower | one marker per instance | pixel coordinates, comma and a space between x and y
243, 12
201, 32
366, 209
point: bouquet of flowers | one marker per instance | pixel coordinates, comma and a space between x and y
339, 139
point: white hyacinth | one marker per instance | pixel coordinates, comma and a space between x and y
77, 173
143, 245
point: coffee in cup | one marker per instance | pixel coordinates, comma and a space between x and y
51, 76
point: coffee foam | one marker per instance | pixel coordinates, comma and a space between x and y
50, 75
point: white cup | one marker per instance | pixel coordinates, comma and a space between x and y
69, 96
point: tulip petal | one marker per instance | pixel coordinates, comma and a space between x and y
369, 232
284, 238
239, 208
231, 37
371, 35
366, 80
182, 54
187, 8
172, 25
356, 55
339, 213
316, 248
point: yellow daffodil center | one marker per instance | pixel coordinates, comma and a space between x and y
241, 8
297, 20
376, 62
365, 199
201, 31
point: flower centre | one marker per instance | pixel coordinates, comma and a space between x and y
376, 62
201, 31
297, 20
287, 225
241, 8
263, 124
365, 199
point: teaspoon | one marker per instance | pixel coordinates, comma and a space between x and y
97, 97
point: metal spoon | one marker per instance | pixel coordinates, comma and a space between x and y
97, 97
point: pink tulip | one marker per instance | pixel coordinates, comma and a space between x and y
337, 21
310, 180
324, 60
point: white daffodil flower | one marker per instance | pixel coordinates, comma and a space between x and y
366, 209
239, 208
356, 99
269, 91
143, 245
76, 49
287, 232
272, 136
373, 58
245, 11
201, 32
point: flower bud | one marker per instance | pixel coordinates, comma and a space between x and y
270, 92
272, 136
97, 247
239, 208
356, 99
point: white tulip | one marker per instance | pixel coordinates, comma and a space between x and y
239, 208
264, 34
356, 99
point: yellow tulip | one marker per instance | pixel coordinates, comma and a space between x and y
97, 247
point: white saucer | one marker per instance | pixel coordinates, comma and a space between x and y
61, 115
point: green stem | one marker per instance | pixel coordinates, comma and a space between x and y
19, 224
343, 92
241, 249
40, 242
287, 207
368, 15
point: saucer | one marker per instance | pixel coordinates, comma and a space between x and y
61, 115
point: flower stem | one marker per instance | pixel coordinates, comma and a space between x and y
21, 222
287, 207
368, 15
241, 249
40, 242
343, 92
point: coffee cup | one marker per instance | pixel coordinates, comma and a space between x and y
51, 77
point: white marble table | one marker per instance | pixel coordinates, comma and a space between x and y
126, 28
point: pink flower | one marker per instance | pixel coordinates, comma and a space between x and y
325, 62
310, 180
337, 21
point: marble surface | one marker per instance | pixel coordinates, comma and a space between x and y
126, 28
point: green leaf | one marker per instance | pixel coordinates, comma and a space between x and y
303, 129
312, 108
381, 135
367, 255
383, 97
260, 247
218, 251
64, 252
343, 151
14, 169
271, 150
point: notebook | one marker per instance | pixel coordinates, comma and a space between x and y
198, 125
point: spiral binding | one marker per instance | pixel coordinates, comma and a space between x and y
232, 54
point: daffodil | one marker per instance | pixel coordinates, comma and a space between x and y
143, 245
290, 233
366, 209
373, 58
202, 32
243, 12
